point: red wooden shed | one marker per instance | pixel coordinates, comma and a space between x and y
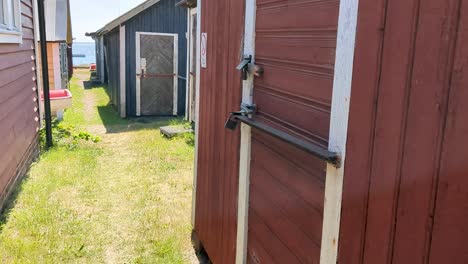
352, 144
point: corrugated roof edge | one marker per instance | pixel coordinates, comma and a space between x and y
123, 18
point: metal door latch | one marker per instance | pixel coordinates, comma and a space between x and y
244, 66
246, 110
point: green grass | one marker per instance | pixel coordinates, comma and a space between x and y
125, 199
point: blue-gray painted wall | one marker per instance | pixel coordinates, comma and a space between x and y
112, 63
163, 17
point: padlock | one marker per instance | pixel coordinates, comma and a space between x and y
231, 123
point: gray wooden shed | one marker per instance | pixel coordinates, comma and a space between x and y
142, 56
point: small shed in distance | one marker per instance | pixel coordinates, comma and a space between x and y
59, 43
141, 55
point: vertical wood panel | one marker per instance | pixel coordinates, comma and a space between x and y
390, 128
426, 114
218, 148
404, 198
367, 64
296, 45
450, 227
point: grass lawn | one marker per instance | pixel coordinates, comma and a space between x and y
125, 199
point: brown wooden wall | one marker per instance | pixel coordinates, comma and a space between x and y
17, 102
406, 186
53, 50
218, 160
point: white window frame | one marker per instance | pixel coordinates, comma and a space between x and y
11, 31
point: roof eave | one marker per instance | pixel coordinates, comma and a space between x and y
125, 17
187, 3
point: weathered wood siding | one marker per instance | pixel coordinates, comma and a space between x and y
112, 60
18, 104
218, 148
406, 187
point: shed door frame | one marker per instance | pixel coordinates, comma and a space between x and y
197, 108
347, 24
123, 74
138, 68
190, 41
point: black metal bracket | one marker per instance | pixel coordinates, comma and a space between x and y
314, 149
244, 66
246, 110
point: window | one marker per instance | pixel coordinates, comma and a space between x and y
10, 21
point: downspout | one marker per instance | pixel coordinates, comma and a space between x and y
45, 73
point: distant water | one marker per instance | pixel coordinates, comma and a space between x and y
86, 49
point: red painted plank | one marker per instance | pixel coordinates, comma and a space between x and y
306, 250
264, 245
25, 46
301, 182
405, 190
217, 172
16, 58
450, 227
390, 118
302, 214
425, 121
364, 92
18, 126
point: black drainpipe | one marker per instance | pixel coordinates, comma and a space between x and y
45, 73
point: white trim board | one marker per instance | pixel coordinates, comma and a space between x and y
37, 63
187, 66
176, 76
176, 69
246, 139
123, 74
138, 81
197, 111
347, 24
190, 42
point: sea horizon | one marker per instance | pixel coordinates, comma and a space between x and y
86, 49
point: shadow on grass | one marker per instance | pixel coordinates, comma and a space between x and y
12, 200
91, 84
115, 124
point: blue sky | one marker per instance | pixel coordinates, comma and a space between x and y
90, 15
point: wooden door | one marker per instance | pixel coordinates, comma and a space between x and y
156, 74
295, 44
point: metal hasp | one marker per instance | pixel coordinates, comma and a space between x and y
316, 150
246, 110
244, 66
